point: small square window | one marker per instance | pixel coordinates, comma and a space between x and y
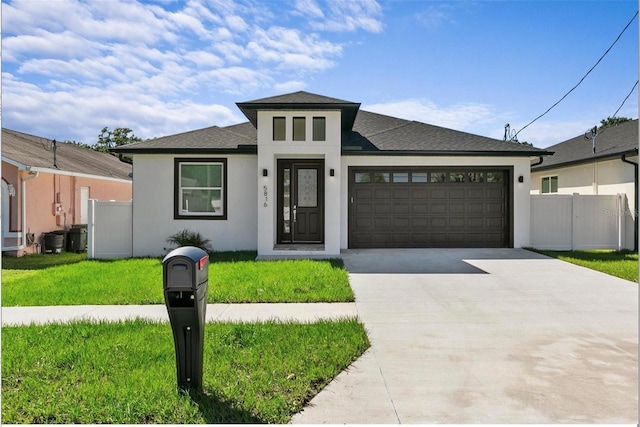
456, 177
319, 129
476, 177
299, 129
279, 128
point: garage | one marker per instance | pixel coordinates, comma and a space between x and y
422, 207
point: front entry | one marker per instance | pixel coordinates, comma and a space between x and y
300, 201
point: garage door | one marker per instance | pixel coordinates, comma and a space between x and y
428, 208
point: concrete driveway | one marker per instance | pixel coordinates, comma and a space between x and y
486, 336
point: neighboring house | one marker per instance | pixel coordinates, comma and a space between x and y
611, 169
46, 187
311, 175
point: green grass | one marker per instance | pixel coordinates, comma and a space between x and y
124, 373
234, 277
623, 264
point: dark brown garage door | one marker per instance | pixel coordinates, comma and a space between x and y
428, 208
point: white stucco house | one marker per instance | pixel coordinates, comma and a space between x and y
311, 175
610, 166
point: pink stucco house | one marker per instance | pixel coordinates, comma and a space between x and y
46, 187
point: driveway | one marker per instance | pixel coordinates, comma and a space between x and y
486, 336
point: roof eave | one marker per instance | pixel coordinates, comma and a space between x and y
186, 150
441, 153
544, 167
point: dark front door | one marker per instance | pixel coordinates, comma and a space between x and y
300, 201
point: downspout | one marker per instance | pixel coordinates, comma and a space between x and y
635, 199
23, 212
540, 160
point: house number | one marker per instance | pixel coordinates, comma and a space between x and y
265, 196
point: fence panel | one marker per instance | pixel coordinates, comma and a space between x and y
110, 230
572, 222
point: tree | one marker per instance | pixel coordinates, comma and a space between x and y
79, 144
612, 121
110, 139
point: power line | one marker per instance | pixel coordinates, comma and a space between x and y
585, 76
625, 100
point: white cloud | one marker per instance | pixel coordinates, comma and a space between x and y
436, 15
351, 15
309, 8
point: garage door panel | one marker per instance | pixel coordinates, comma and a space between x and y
457, 193
403, 212
401, 208
403, 194
382, 194
457, 208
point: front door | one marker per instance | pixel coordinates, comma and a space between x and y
300, 201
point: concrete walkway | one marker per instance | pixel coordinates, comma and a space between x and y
488, 336
215, 312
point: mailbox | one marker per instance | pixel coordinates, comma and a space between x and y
186, 281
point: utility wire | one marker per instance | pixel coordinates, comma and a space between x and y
585, 76
625, 100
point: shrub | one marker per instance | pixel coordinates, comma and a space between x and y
190, 238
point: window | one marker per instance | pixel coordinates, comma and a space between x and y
319, 128
401, 177
299, 129
279, 128
495, 176
200, 189
418, 177
438, 177
362, 177
456, 177
549, 184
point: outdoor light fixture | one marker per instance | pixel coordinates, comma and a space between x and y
332, 172
521, 178
265, 172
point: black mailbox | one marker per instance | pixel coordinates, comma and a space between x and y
186, 276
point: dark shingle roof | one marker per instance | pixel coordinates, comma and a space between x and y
34, 151
214, 139
611, 142
390, 134
300, 101
368, 133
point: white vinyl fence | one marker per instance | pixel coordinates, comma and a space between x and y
109, 230
558, 222
572, 222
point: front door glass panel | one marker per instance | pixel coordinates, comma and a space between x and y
307, 188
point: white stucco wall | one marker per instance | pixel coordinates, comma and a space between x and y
520, 196
153, 207
270, 151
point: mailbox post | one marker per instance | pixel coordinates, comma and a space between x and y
186, 276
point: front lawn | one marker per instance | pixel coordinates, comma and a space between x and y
124, 373
234, 277
623, 264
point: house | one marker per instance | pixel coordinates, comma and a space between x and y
606, 164
46, 187
312, 175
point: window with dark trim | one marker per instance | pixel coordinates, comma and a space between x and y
279, 128
549, 185
319, 129
200, 189
299, 129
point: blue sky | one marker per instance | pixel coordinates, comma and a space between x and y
69, 68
